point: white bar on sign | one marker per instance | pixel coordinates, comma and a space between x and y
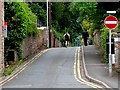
111, 11
110, 22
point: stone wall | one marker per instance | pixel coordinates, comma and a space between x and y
32, 45
117, 57
54, 41
97, 38
117, 52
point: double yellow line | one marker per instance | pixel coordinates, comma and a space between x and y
22, 68
77, 72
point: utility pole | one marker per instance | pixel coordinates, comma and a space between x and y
1, 36
47, 27
49, 21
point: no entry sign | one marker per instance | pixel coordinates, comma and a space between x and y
111, 22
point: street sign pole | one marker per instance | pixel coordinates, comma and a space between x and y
110, 23
110, 58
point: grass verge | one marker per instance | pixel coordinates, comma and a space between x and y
8, 70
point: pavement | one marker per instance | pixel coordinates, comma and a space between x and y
96, 69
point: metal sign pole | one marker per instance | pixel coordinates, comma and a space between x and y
110, 55
110, 58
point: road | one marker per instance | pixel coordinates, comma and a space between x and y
53, 69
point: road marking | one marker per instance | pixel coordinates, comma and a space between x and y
75, 73
97, 64
86, 82
77, 69
23, 68
83, 58
79, 74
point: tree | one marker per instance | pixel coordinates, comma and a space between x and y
39, 10
57, 14
84, 11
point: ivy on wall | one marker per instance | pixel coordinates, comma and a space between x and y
21, 23
103, 37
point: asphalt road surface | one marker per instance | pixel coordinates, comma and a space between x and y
53, 69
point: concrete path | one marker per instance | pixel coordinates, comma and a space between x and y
96, 69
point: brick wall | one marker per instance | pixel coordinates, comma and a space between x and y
1, 36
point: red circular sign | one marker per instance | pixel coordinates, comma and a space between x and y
111, 22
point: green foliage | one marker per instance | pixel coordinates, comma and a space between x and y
58, 8
21, 23
83, 9
84, 13
118, 27
61, 15
74, 17
38, 10
61, 19
104, 36
99, 20
78, 16
57, 34
11, 68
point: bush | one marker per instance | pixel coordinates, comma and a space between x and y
21, 23
104, 36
